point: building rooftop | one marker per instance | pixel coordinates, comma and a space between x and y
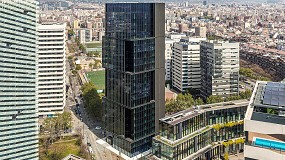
196, 110
270, 95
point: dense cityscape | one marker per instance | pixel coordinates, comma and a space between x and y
127, 80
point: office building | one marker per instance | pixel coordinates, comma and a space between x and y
18, 107
51, 69
133, 56
85, 35
264, 122
168, 58
186, 73
206, 132
219, 68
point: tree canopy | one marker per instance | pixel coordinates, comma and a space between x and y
182, 102
92, 100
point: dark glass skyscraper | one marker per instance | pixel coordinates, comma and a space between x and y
133, 56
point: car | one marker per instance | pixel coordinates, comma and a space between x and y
90, 150
88, 144
46, 132
97, 127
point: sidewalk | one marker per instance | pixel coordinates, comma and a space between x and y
117, 153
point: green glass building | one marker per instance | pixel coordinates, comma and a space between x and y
18, 59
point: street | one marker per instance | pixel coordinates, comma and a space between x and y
82, 122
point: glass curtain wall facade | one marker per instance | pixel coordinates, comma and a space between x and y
18, 107
133, 56
201, 133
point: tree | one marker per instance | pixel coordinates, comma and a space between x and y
182, 102
97, 64
90, 65
214, 99
92, 100
70, 57
74, 72
78, 67
199, 101
246, 94
54, 127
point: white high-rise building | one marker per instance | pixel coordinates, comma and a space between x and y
168, 58
219, 68
52, 74
186, 73
18, 96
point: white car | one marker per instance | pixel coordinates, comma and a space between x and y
98, 127
90, 150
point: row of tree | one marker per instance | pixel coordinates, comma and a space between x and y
247, 72
93, 53
184, 101
92, 100
54, 127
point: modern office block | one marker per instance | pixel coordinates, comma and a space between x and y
219, 68
206, 132
168, 58
133, 56
186, 73
18, 96
264, 123
51, 69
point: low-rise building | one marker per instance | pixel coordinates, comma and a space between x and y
265, 122
202, 132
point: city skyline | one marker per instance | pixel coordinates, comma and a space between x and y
198, 79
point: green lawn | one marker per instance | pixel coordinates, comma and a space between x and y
62, 149
93, 45
98, 78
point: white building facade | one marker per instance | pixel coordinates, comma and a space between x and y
264, 122
168, 58
219, 68
18, 96
186, 73
52, 73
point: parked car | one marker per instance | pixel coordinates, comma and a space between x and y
97, 127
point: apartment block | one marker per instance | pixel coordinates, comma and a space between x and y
206, 132
186, 73
219, 68
51, 69
85, 35
264, 122
168, 58
18, 69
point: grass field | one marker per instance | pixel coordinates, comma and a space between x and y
98, 78
62, 149
93, 45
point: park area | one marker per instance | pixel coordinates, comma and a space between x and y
94, 45
61, 148
98, 78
